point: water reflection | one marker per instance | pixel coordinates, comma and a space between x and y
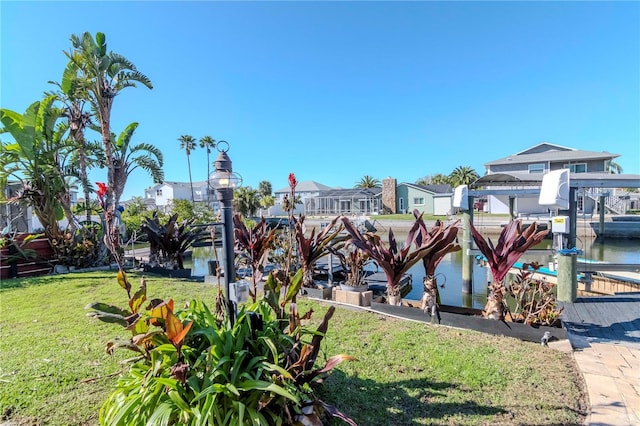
449, 271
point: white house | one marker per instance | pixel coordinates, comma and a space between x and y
166, 191
532, 163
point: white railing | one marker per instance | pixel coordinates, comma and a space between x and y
613, 203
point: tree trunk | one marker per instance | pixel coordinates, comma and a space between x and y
495, 309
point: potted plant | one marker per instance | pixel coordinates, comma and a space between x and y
353, 261
395, 261
512, 243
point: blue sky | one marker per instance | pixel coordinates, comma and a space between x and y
334, 91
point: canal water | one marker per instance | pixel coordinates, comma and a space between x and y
449, 271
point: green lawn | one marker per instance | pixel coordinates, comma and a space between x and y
54, 369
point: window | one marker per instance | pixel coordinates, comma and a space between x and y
158, 192
536, 168
418, 201
576, 168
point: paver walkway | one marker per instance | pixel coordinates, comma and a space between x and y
605, 335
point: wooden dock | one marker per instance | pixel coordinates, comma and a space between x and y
604, 319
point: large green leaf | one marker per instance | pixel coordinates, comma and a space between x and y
266, 387
294, 287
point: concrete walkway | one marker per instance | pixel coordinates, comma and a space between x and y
605, 336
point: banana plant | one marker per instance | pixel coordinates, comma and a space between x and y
39, 159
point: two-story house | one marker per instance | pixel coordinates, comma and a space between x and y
163, 193
532, 163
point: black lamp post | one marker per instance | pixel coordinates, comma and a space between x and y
224, 181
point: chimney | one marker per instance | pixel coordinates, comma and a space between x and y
389, 196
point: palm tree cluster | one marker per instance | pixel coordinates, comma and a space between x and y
461, 175
51, 154
188, 143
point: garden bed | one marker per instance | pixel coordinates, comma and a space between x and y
470, 319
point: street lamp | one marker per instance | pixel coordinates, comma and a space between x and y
224, 181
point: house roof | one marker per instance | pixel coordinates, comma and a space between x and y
434, 189
306, 186
576, 180
351, 192
545, 151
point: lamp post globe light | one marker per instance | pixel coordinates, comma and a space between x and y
225, 181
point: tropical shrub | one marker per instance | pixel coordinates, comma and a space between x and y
512, 243
312, 248
444, 242
255, 242
535, 300
395, 261
80, 249
193, 369
168, 242
353, 261
197, 367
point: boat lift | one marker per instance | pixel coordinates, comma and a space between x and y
561, 192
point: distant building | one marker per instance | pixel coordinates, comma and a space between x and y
427, 199
165, 192
351, 201
534, 162
304, 190
20, 217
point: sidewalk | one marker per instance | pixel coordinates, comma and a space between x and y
605, 336
612, 376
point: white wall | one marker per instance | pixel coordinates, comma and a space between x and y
441, 205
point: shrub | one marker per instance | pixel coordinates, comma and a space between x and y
195, 367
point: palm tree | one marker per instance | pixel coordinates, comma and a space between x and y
368, 182
265, 188
188, 143
127, 158
104, 75
246, 201
208, 142
437, 179
613, 167
463, 175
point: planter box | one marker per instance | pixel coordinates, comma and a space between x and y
474, 322
357, 298
20, 267
324, 293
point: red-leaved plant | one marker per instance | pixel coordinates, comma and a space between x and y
316, 246
512, 243
255, 243
443, 239
395, 261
